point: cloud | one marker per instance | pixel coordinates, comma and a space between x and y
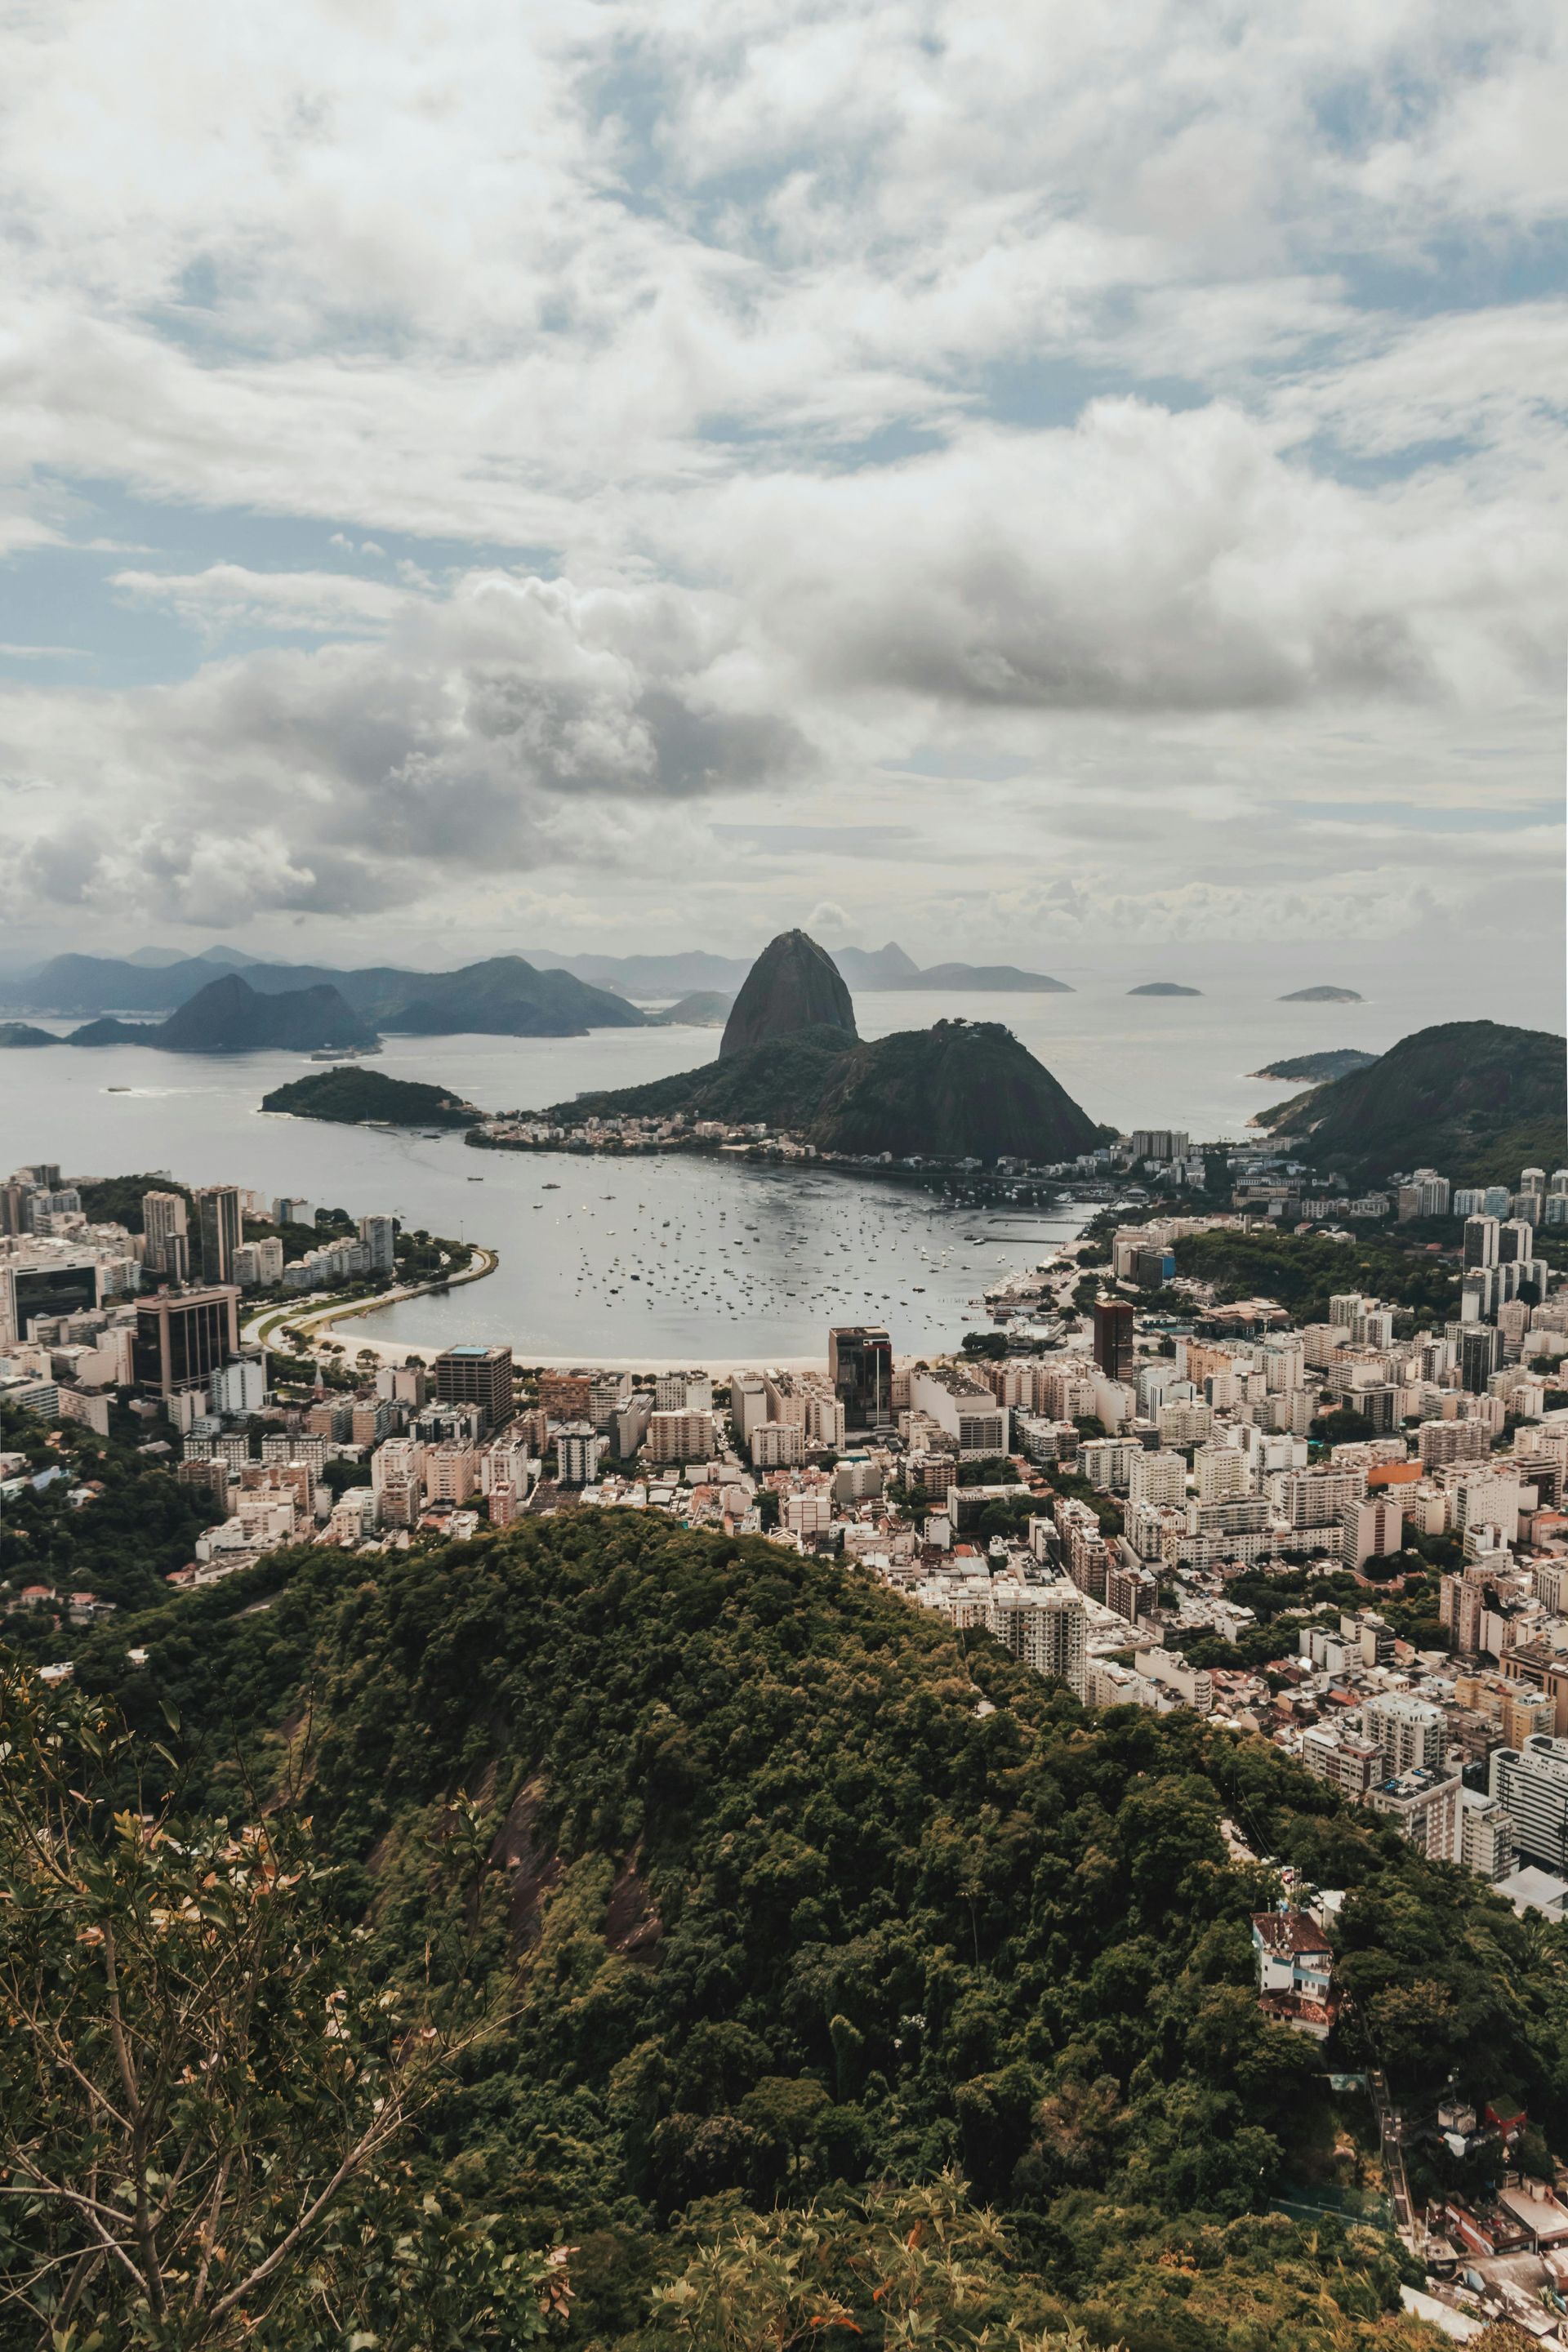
483, 728
1138, 561
1109, 426
228, 596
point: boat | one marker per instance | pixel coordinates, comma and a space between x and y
476, 1180
117, 1090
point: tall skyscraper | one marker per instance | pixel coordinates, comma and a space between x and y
1480, 1241
1481, 1355
220, 1230
861, 1367
167, 1229
1113, 1337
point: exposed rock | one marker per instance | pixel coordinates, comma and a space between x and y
794, 985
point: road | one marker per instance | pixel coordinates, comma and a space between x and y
316, 1321
1394, 2161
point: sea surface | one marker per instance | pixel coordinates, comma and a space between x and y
677, 1258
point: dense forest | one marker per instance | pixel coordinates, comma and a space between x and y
802, 1905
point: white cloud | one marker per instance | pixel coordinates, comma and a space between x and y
1119, 403
228, 596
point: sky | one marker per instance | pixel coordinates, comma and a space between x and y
1007, 477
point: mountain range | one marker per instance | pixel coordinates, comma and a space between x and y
153, 979
504, 996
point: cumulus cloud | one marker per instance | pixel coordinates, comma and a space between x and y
1140, 559
348, 776
1090, 416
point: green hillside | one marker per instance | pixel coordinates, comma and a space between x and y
780, 1911
1475, 1099
352, 1095
777, 1082
961, 1089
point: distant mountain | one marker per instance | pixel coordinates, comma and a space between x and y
960, 1090
505, 997
17, 1032
1338, 1062
888, 968
963, 1090
794, 985
1323, 995
874, 967
229, 1016
1163, 988
352, 1097
991, 978
161, 959
645, 976
1475, 1099
706, 1008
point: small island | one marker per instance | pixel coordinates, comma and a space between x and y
22, 1032
1163, 988
352, 1097
1314, 1069
1323, 995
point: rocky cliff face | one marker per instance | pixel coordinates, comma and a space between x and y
794, 985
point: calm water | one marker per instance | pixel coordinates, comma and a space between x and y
732, 1262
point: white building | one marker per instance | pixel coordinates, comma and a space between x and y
1533, 1783
967, 1412
1046, 1625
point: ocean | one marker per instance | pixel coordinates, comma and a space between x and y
679, 1259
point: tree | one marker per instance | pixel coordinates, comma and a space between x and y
207, 2106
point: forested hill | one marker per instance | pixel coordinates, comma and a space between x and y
1477, 1100
795, 1908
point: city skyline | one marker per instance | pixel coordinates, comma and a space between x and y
596, 483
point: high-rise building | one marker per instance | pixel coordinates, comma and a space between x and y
1533, 1783
1481, 1241
1481, 1355
578, 1454
477, 1376
166, 1226
1046, 1627
1486, 1843
1407, 1732
861, 1367
379, 1235
183, 1338
1370, 1530
1516, 1239
219, 1229
1113, 1337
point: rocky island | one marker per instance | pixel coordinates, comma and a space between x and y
352, 1097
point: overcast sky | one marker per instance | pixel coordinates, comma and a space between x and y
481, 475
